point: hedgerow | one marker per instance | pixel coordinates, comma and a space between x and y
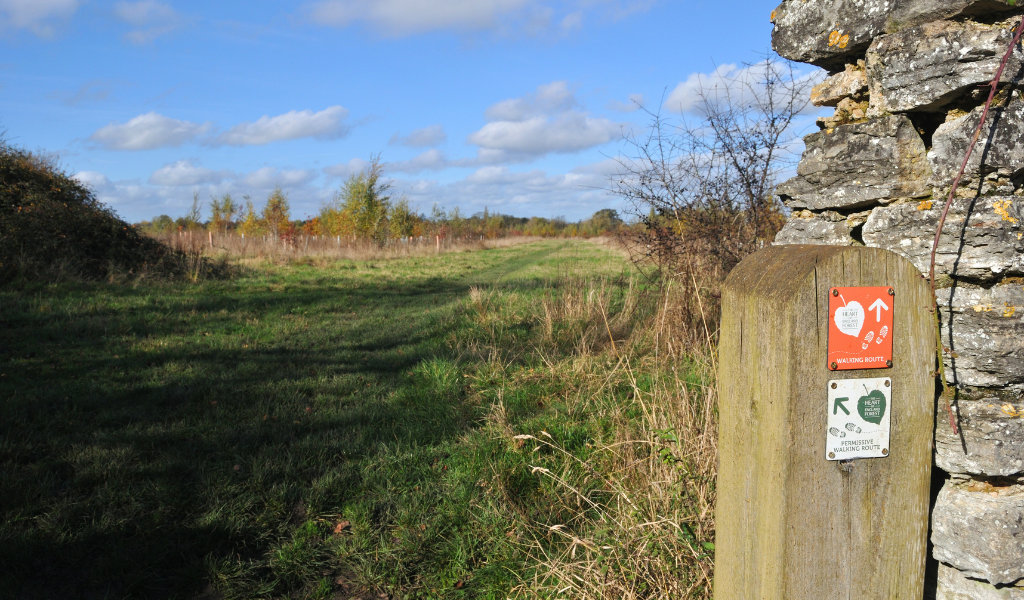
51, 225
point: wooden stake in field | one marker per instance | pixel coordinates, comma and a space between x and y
824, 465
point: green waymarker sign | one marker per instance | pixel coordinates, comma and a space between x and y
871, 407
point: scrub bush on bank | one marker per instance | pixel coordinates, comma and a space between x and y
53, 227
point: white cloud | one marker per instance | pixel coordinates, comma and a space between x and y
269, 178
148, 131
576, 194
153, 130
635, 102
408, 17
421, 138
38, 16
549, 98
567, 132
572, 21
186, 172
169, 190
727, 83
431, 160
688, 94
91, 179
324, 125
149, 18
402, 17
546, 121
346, 170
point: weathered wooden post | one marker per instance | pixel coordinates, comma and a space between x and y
805, 384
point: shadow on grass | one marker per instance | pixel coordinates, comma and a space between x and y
149, 433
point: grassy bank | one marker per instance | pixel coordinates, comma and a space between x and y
455, 426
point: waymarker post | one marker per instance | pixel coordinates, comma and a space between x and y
827, 398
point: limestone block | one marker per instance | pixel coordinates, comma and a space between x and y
828, 33
859, 165
932, 65
987, 335
848, 111
991, 430
954, 586
981, 239
816, 231
852, 82
916, 12
980, 534
999, 154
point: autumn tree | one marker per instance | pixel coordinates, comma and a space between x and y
223, 212
250, 223
276, 215
193, 219
402, 220
362, 206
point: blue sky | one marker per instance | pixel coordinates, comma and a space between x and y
517, 105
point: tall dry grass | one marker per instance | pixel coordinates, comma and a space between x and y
632, 515
315, 249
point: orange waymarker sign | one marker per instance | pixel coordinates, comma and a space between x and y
860, 328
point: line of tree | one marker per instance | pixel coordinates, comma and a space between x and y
363, 208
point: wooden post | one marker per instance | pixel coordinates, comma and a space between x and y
791, 524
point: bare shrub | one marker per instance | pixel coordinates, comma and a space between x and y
703, 188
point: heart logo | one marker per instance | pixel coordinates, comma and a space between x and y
872, 407
850, 318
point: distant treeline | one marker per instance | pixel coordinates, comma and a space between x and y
364, 209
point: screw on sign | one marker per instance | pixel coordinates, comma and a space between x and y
860, 328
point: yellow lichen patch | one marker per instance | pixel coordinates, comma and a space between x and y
772, 19
1011, 411
980, 486
844, 41
1002, 208
1009, 311
982, 308
925, 205
834, 37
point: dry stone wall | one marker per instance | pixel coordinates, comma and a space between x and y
907, 81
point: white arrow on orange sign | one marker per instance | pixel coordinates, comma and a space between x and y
877, 306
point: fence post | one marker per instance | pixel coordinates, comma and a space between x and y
791, 523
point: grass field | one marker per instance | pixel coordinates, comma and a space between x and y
457, 426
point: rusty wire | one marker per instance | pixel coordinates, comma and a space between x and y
994, 85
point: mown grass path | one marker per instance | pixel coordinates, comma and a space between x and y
264, 436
